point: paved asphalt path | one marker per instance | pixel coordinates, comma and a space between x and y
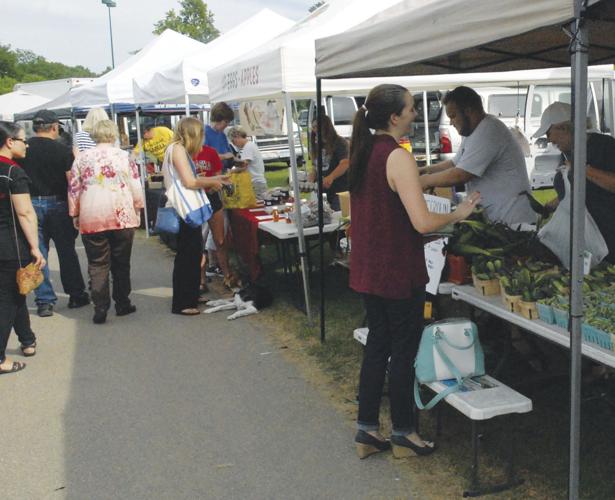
160, 406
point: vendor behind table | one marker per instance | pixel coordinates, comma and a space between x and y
489, 161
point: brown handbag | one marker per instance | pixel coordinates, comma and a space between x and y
29, 277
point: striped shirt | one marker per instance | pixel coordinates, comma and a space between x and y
83, 141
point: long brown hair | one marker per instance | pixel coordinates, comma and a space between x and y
189, 133
382, 101
329, 135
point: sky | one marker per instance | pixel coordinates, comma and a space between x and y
76, 32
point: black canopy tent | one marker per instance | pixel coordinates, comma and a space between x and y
556, 39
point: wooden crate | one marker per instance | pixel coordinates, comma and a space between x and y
510, 301
486, 287
527, 309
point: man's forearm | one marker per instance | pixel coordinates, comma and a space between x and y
602, 178
447, 178
437, 167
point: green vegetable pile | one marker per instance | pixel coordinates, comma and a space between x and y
477, 236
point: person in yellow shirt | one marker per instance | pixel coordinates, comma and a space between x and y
155, 141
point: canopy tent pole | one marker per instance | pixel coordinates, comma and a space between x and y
579, 60
321, 224
297, 192
426, 121
113, 113
142, 170
295, 113
187, 101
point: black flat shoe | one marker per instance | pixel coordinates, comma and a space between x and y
45, 310
78, 301
367, 444
100, 316
403, 448
124, 310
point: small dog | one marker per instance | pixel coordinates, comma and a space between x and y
249, 300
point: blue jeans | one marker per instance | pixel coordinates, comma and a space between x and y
55, 224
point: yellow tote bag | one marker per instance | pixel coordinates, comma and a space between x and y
242, 195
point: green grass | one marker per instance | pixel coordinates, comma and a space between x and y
544, 195
277, 175
541, 436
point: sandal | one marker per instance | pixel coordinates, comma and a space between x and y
191, 311
15, 367
203, 300
28, 350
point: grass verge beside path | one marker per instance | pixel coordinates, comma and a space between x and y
541, 437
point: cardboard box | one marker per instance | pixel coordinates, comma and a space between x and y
344, 197
444, 192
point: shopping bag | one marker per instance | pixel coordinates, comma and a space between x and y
242, 195
29, 278
449, 349
555, 234
191, 205
167, 220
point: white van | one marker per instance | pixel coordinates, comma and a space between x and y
340, 109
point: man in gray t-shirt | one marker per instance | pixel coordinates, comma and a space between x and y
490, 161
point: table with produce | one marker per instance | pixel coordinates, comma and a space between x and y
517, 278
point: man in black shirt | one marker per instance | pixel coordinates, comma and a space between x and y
48, 165
600, 189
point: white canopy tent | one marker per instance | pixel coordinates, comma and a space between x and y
116, 85
52, 88
189, 76
18, 101
284, 67
473, 35
26, 96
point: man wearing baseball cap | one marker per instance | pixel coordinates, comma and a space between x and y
156, 138
48, 165
556, 124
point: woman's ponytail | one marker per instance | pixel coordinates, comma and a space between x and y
360, 149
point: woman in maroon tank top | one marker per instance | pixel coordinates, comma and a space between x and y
387, 266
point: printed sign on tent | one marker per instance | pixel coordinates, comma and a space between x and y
262, 117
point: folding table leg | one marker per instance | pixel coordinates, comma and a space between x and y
474, 485
476, 489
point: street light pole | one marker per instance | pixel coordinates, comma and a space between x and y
109, 4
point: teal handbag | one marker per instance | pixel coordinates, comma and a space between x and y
449, 349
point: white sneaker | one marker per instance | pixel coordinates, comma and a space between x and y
214, 271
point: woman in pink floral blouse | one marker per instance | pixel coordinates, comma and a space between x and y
104, 199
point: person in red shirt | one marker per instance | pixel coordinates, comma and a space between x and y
18, 244
208, 164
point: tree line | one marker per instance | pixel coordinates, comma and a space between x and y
194, 19
24, 66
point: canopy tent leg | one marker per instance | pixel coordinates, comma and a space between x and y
577, 231
321, 224
300, 236
304, 162
142, 170
187, 104
426, 121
